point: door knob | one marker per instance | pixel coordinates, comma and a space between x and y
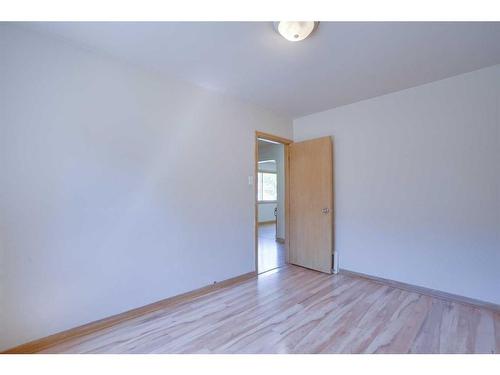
325, 210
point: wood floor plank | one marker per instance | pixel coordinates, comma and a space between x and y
427, 341
496, 318
295, 310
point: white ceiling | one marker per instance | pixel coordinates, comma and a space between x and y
340, 63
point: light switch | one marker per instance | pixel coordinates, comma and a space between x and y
250, 180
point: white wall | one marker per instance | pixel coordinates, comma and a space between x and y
265, 212
270, 151
267, 166
417, 184
110, 193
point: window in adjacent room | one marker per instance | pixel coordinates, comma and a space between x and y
267, 186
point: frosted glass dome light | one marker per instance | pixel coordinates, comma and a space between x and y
295, 31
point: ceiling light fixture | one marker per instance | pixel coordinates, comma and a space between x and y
295, 31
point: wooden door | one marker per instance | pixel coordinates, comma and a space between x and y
311, 204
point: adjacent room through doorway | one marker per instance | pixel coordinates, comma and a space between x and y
270, 205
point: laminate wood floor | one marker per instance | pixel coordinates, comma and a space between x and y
294, 310
271, 254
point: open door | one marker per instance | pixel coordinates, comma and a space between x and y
311, 204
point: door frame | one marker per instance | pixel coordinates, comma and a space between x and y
286, 143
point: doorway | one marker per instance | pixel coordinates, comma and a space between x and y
294, 199
271, 201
